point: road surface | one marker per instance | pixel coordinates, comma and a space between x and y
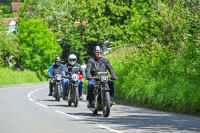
29, 109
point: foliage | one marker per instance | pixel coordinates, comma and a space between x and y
7, 15
129, 22
159, 78
9, 46
58, 15
5, 11
5, 8
8, 2
37, 45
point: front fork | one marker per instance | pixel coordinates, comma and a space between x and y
72, 89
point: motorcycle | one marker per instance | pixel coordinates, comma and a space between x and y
73, 93
57, 83
101, 94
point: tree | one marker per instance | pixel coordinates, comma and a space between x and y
37, 45
8, 2
58, 15
9, 46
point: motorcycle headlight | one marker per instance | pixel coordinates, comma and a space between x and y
75, 77
104, 78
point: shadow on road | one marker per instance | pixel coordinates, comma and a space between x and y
85, 114
146, 120
49, 100
59, 105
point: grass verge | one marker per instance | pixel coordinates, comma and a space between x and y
15, 77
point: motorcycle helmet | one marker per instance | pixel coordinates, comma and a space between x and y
57, 60
97, 49
72, 59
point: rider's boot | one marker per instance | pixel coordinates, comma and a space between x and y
50, 94
111, 101
81, 97
89, 104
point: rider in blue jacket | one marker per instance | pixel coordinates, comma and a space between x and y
54, 69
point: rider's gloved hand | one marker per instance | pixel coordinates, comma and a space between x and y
49, 76
113, 78
88, 78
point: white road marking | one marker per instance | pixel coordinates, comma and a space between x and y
116, 131
30, 99
101, 126
32, 92
37, 89
68, 114
29, 95
41, 105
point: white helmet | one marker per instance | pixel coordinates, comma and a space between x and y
72, 59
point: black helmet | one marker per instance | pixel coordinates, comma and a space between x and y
57, 59
97, 49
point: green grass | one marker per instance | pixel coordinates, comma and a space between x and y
11, 77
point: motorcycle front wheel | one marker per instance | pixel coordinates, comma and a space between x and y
106, 104
76, 95
58, 89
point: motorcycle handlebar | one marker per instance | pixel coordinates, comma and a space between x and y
98, 77
55, 77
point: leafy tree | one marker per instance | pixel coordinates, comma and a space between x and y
9, 46
8, 2
5, 11
58, 15
37, 45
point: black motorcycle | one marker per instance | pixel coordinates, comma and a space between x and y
101, 94
73, 93
57, 86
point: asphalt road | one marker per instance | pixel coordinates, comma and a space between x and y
29, 109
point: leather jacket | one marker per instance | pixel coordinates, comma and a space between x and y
68, 68
101, 65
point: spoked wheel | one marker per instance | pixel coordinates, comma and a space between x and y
106, 104
76, 95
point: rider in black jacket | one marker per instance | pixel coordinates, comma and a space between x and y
94, 65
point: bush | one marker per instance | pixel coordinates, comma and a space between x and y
159, 77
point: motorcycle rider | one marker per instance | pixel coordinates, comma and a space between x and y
54, 69
94, 65
68, 68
